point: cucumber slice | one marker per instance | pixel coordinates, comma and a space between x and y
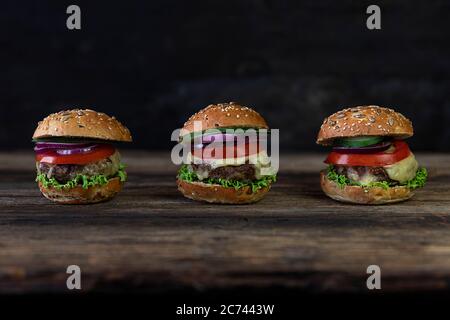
358, 142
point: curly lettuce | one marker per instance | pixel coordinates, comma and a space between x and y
81, 180
417, 182
185, 174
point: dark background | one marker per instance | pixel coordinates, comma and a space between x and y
154, 63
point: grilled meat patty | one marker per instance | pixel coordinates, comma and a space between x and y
65, 172
245, 172
363, 174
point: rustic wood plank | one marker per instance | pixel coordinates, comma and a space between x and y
151, 238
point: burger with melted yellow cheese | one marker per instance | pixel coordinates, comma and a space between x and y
370, 162
224, 163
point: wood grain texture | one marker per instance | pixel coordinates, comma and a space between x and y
152, 239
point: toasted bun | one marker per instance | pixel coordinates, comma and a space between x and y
360, 195
215, 193
78, 195
82, 123
364, 121
224, 115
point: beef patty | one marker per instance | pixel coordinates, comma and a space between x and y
66, 172
360, 173
245, 172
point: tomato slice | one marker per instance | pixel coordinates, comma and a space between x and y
378, 159
218, 151
101, 152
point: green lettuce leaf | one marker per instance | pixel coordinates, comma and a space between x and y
185, 174
82, 180
417, 182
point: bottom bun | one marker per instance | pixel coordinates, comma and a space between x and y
215, 193
79, 195
361, 195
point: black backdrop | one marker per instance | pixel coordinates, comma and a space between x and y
153, 63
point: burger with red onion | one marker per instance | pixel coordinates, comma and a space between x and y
226, 159
76, 160
370, 163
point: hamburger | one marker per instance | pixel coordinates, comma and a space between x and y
76, 160
370, 163
226, 158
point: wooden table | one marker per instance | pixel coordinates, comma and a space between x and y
151, 238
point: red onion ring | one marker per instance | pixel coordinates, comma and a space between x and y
52, 145
67, 152
64, 148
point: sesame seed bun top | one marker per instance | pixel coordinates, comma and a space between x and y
364, 121
82, 123
225, 115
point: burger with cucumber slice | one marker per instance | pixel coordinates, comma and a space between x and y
227, 160
76, 158
370, 163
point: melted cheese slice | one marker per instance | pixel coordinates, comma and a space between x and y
403, 170
259, 160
